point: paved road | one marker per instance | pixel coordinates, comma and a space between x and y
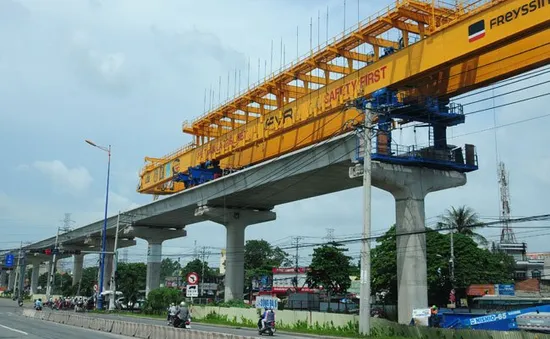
215, 329
15, 326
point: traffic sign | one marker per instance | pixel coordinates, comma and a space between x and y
192, 278
192, 291
9, 260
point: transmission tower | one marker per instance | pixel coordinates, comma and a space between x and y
66, 227
330, 235
67, 223
507, 234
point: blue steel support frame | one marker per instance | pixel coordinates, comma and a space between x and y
438, 114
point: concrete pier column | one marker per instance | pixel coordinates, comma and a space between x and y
11, 280
234, 262
154, 236
409, 186
35, 275
78, 264
109, 247
49, 285
3, 278
154, 260
235, 222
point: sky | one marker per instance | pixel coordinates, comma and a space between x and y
129, 72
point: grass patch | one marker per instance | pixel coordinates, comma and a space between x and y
350, 330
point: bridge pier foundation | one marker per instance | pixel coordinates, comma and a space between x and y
409, 186
78, 264
154, 236
235, 222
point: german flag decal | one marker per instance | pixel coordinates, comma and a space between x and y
476, 31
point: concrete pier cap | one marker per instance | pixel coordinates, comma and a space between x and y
154, 236
235, 221
409, 186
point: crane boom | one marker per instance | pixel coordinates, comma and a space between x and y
460, 51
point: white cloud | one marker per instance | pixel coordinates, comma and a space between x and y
121, 203
73, 180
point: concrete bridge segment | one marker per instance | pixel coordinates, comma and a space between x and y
313, 171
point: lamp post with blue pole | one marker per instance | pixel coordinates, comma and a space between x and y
104, 232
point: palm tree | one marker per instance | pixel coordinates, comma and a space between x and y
463, 220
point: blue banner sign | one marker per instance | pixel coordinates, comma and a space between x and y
506, 289
267, 302
8, 262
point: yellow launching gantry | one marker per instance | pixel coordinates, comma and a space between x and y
458, 49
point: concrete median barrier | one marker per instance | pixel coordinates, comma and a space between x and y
126, 328
118, 327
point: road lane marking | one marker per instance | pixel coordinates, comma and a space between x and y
13, 329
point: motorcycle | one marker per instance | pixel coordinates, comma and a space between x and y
269, 328
178, 323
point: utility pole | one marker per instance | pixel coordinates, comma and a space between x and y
21, 274
52, 267
114, 268
203, 259
195, 251
297, 243
365, 291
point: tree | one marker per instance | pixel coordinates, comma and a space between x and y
169, 268
463, 220
197, 267
159, 298
473, 265
89, 278
62, 284
330, 268
130, 279
260, 258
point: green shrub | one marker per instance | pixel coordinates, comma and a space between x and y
159, 299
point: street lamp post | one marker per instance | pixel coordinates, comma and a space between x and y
104, 232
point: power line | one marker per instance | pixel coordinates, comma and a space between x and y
517, 220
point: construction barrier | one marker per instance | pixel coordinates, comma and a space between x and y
126, 328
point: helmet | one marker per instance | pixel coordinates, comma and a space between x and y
182, 303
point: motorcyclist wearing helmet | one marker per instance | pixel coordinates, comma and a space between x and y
171, 313
183, 312
268, 316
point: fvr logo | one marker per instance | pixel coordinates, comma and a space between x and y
476, 31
